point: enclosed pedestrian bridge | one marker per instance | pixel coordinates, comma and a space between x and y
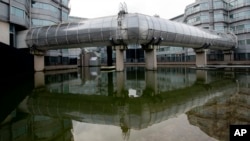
130, 28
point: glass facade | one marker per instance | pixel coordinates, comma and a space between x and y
39, 22
45, 6
17, 12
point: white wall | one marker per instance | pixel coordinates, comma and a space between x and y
4, 33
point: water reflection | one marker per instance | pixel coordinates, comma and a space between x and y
131, 100
220, 112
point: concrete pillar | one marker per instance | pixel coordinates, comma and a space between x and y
201, 58
5, 33
84, 59
150, 59
119, 65
228, 56
38, 62
109, 56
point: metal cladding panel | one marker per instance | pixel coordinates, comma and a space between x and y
132, 28
42, 36
51, 35
83, 32
61, 34
143, 28
127, 29
72, 33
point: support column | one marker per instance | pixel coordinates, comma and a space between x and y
201, 58
228, 56
119, 65
38, 59
38, 63
150, 58
84, 59
109, 56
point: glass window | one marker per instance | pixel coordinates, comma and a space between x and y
247, 25
40, 22
204, 18
219, 28
17, 12
248, 41
239, 27
45, 6
218, 4
232, 28
241, 42
204, 6
189, 10
64, 16
218, 17
65, 2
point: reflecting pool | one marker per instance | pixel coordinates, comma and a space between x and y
87, 104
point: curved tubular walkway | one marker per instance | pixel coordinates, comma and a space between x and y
127, 29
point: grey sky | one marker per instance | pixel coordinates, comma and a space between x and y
98, 8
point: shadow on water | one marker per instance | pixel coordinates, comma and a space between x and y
134, 99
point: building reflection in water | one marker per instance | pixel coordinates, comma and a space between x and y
215, 116
24, 127
134, 99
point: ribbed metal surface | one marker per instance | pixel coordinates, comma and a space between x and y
127, 29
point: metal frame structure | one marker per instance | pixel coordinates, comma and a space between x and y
127, 28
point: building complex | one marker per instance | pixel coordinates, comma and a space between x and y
221, 16
16, 16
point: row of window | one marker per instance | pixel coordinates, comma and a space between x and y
39, 22
205, 18
238, 3
244, 42
219, 17
65, 2
45, 6
51, 8
196, 8
217, 4
17, 12
240, 14
240, 27
220, 28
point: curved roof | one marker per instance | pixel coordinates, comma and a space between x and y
127, 29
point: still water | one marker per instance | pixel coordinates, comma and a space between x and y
170, 104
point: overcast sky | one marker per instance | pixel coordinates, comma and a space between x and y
98, 8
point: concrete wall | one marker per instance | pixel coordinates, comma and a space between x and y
5, 33
21, 36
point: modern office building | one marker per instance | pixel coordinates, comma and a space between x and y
16, 16
221, 16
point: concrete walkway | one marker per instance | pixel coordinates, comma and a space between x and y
228, 66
